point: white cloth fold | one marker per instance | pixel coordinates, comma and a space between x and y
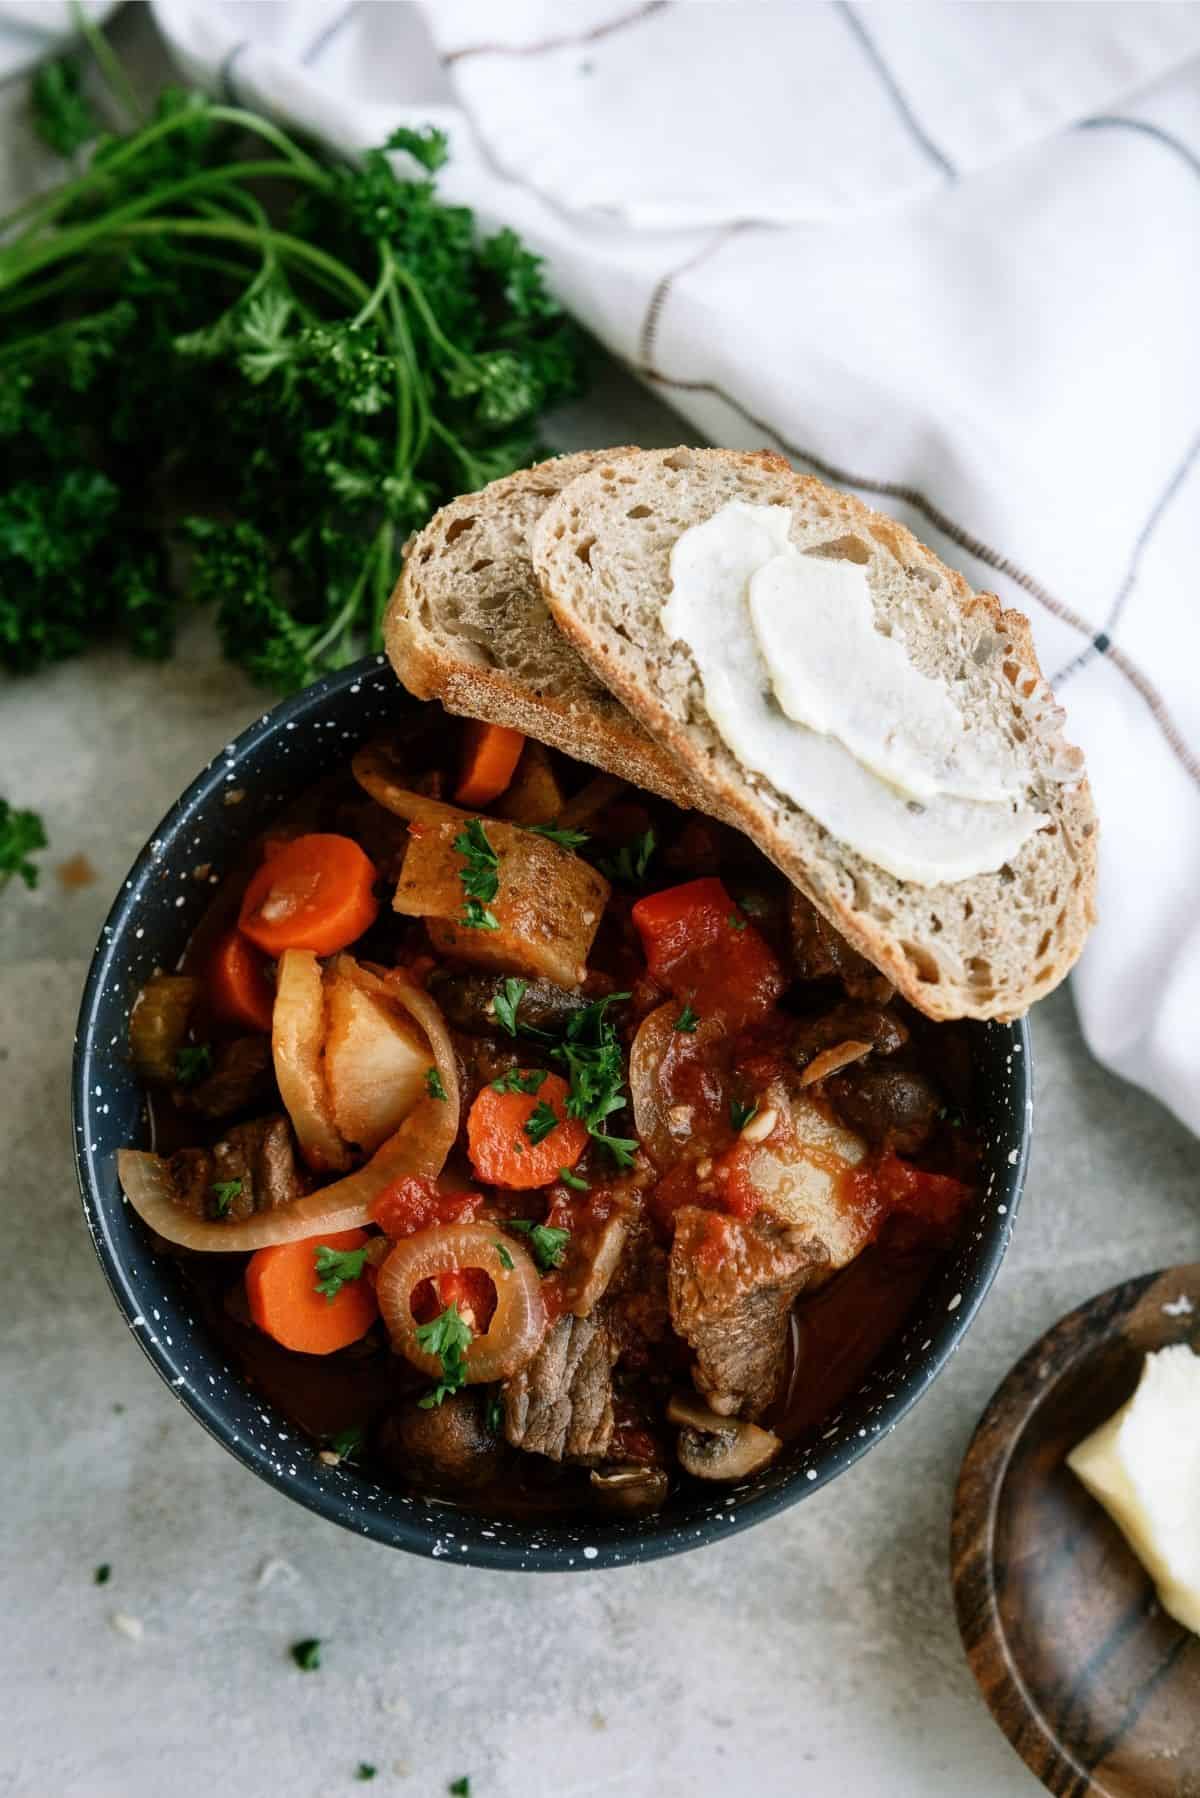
947, 256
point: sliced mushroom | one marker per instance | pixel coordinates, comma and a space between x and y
719, 1448
630, 1489
831, 1061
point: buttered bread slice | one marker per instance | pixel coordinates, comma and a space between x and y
882, 731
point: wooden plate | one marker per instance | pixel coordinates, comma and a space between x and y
1095, 1687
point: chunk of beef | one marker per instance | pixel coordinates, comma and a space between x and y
261, 1155
894, 1108
851, 1021
819, 952
443, 1446
731, 1284
561, 1405
242, 1076
468, 1002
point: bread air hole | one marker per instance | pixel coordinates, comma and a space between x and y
638, 512
455, 530
923, 963
584, 552
1044, 944
478, 567
843, 549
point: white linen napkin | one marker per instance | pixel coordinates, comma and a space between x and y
947, 256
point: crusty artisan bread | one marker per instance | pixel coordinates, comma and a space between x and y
467, 624
982, 948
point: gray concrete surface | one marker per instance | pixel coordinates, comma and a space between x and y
816, 1654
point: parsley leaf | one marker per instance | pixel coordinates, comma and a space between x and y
224, 1193
540, 1122
506, 1260
631, 860
735, 922
365, 1771
686, 1021
741, 1113
336, 1268
460, 1788
593, 1059
102, 1574
951, 1115
509, 996
62, 117
514, 1081
448, 1338
433, 1084
192, 1062
548, 1243
21, 835
572, 1179
346, 1444
480, 875
569, 839
307, 1654
494, 1415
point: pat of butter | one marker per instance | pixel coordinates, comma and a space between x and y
807, 691
1143, 1466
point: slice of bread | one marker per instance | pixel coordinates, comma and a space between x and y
467, 625
986, 947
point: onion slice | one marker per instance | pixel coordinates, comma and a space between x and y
373, 771
518, 1323
420, 1146
297, 1042
658, 1055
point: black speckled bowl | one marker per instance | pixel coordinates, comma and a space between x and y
157, 908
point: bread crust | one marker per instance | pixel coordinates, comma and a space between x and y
1007, 957
581, 718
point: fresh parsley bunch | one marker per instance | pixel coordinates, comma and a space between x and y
236, 369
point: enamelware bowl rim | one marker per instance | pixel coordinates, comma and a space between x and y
418, 1525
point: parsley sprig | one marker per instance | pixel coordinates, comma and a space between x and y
433, 1084
479, 874
336, 1268
556, 833
547, 1241
318, 352
193, 1062
514, 1081
21, 832
596, 1072
632, 860
448, 1337
224, 1192
541, 1121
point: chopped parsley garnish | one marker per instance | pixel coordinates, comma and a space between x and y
686, 1021
631, 860
460, 1788
571, 1179
102, 1574
224, 1192
21, 835
506, 1260
337, 1267
448, 1337
346, 1444
505, 1003
192, 1062
364, 1770
480, 875
549, 1244
494, 1415
735, 922
433, 1084
741, 1113
950, 1114
307, 1654
540, 1122
514, 1081
592, 1056
569, 839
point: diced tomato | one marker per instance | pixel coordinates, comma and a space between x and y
472, 1291
416, 1202
682, 1186
702, 949
890, 1185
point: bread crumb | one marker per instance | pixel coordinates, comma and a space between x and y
128, 1626
76, 871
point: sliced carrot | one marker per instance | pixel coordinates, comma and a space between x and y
316, 893
501, 1149
238, 984
490, 756
281, 1287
